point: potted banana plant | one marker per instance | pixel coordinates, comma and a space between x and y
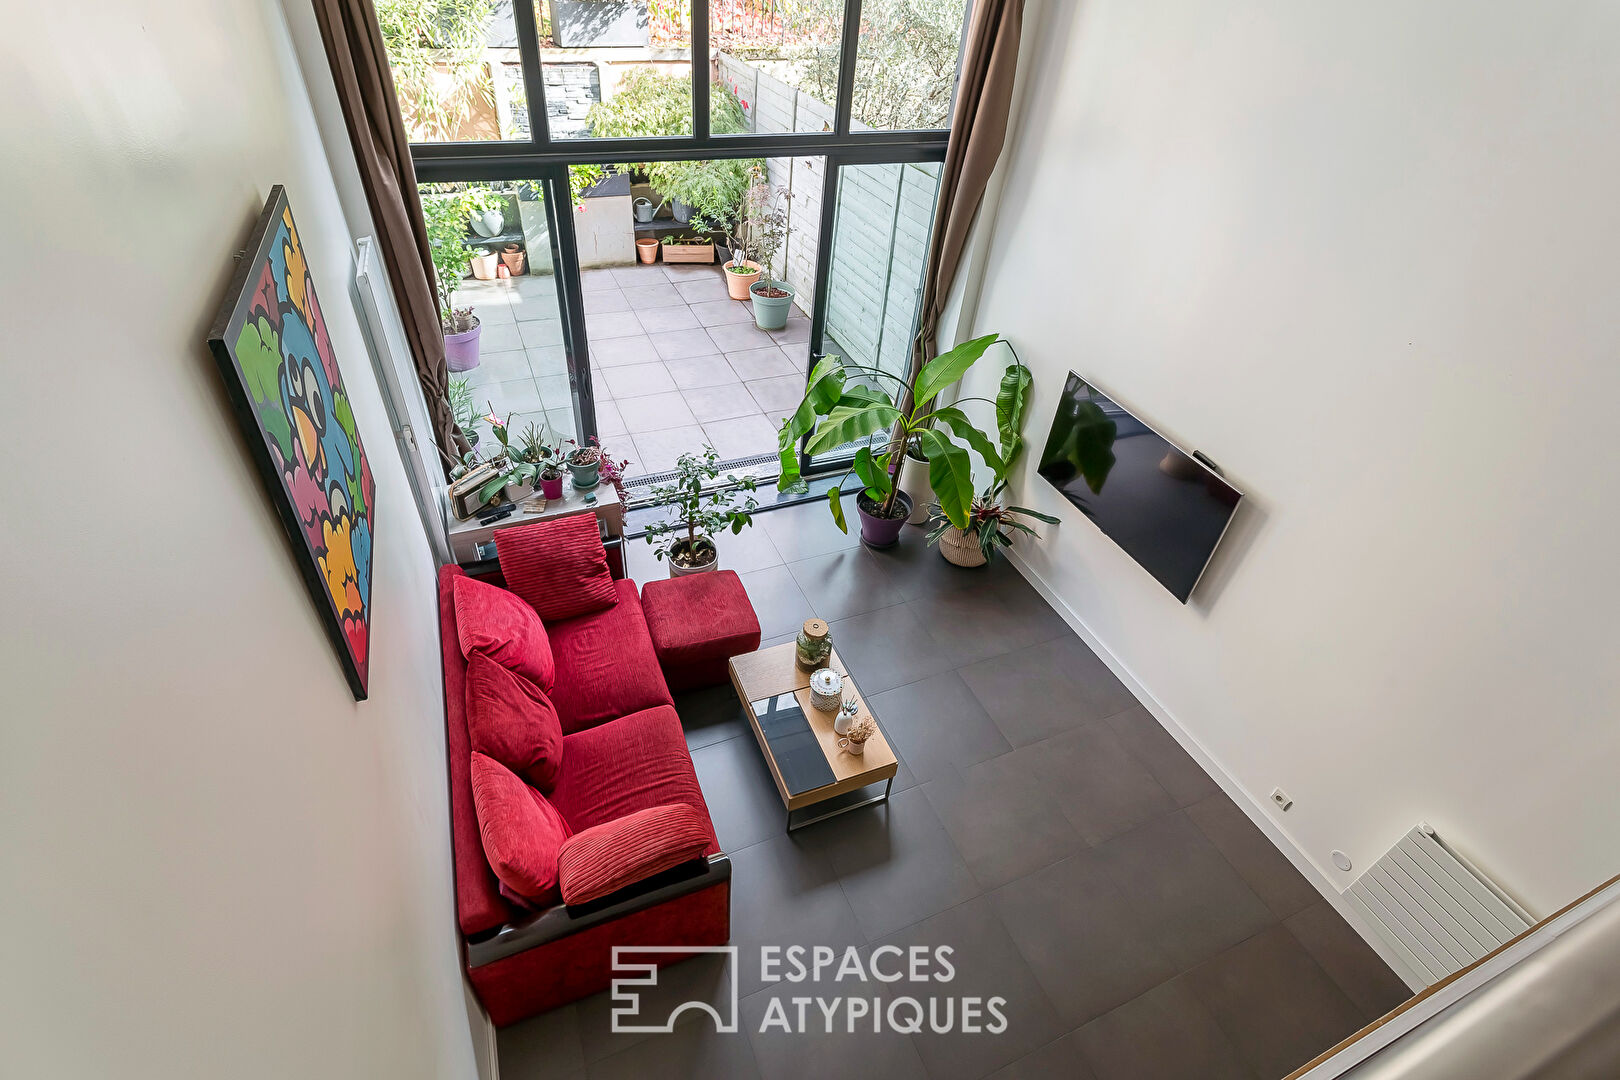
850, 403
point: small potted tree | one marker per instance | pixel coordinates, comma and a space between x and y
702, 510
766, 233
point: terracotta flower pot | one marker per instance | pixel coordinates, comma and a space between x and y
646, 249
512, 255
737, 284
485, 266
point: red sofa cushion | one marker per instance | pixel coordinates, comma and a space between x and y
634, 763
605, 858
497, 623
522, 833
510, 719
559, 567
480, 907
697, 623
606, 666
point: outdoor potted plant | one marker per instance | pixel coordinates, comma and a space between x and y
584, 463
759, 234
688, 249
447, 229
646, 249
461, 330
702, 509
484, 263
512, 256
990, 527
847, 403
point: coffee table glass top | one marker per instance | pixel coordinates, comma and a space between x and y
793, 744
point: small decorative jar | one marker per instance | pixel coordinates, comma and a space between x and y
814, 645
847, 712
826, 689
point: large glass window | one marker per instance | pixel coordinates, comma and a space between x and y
778, 60
639, 334
616, 68
905, 63
492, 253
456, 69
881, 225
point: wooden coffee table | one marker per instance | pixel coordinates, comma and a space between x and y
815, 778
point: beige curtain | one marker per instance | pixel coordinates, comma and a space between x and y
978, 131
365, 86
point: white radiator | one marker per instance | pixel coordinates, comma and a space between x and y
1433, 907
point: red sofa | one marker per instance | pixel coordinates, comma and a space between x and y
623, 751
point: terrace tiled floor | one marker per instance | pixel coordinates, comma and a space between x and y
1043, 825
675, 362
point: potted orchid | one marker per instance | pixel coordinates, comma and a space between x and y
525, 465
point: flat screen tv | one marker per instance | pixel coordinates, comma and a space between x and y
1165, 508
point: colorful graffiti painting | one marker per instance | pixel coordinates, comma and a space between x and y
272, 347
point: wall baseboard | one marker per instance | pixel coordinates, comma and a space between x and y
1247, 801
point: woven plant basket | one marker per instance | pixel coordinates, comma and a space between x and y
960, 548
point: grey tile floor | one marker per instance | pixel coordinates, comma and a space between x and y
1043, 825
675, 363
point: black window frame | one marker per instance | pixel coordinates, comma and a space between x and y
542, 158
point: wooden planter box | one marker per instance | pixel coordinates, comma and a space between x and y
688, 253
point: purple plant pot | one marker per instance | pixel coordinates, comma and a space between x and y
881, 532
551, 489
461, 350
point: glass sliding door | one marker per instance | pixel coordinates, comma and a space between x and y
882, 217
493, 243
676, 359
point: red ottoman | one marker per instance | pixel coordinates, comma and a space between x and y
698, 622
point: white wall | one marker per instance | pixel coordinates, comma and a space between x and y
213, 861
1364, 256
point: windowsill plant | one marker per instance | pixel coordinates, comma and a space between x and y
702, 510
524, 465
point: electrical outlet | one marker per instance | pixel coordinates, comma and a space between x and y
1281, 798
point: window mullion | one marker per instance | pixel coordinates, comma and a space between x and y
700, 70
534, 81
846, 67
